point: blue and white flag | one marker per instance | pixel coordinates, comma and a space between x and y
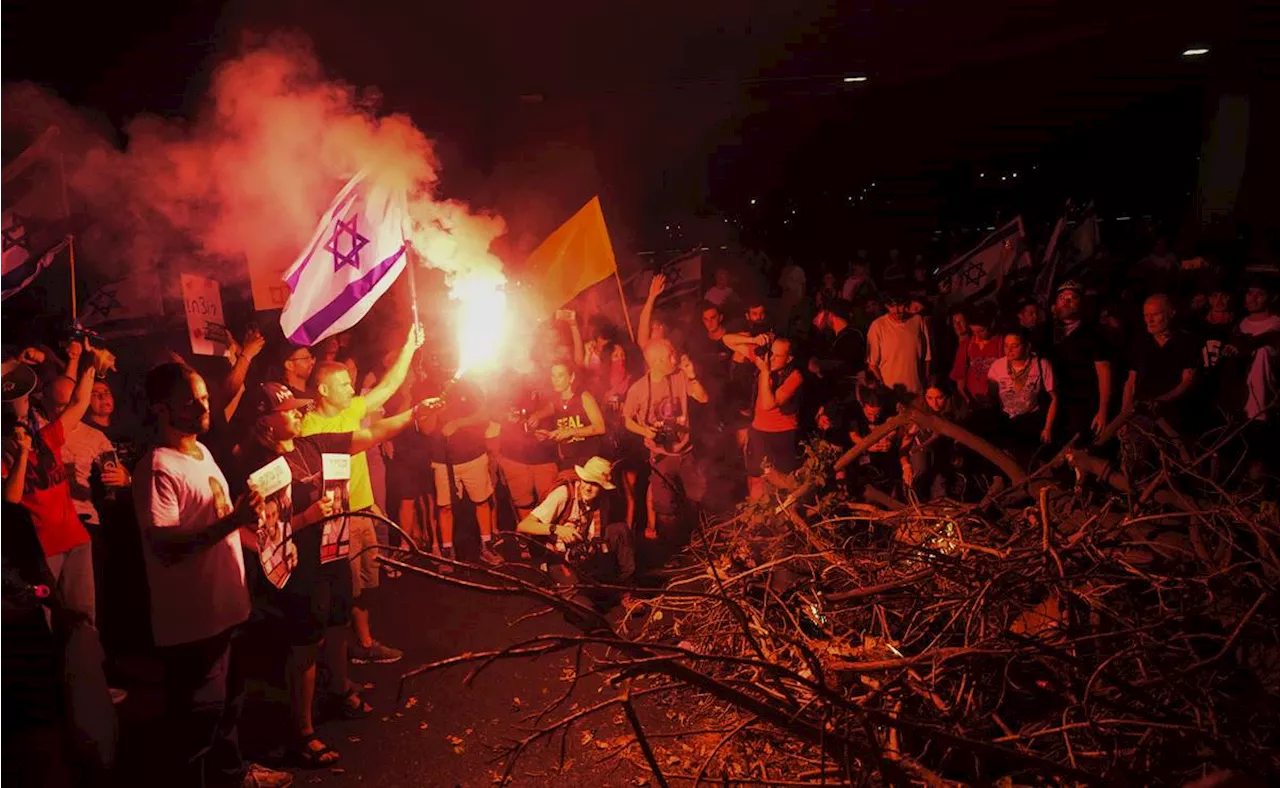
979, 275
356, 254
34, 221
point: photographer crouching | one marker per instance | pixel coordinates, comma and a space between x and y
580, 535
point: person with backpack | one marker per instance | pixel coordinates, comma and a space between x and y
577, 531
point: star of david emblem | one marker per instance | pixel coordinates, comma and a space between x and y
15, 235
352, 256
104, 302
973, 273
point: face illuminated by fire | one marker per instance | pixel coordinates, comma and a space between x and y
660, 357
936, 399
561, 378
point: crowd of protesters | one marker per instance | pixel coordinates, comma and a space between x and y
603, 438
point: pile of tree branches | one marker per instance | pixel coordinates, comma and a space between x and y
1089, 623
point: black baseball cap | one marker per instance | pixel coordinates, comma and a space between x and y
277, 398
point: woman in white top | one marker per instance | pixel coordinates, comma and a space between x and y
1022, 382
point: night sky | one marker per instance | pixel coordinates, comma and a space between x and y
675, 109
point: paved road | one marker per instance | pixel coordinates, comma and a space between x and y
410, 744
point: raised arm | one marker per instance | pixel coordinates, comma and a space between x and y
643, 327
233, 384
394, 379
381, 430
579, 347
79, 404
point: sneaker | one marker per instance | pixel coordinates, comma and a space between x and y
258, 776
490, 557
117, 695
376, 653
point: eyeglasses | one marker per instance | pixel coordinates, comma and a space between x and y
306, 357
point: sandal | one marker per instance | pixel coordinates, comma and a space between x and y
353, 707
310, 757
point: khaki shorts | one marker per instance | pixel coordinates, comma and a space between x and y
364, 563
528, 484
473, 478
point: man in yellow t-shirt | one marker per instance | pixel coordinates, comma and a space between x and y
339, 410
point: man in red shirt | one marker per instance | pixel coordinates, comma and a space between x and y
35, 477
772, 444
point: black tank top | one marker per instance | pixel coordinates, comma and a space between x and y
570, 413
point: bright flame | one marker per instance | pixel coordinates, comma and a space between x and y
482, 323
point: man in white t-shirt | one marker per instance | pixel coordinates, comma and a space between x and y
86, 447
195, 568
721, 293
898, 346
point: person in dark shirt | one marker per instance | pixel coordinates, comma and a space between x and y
460, 460
1163, 364
1082, 367
709, 352
840, 350
576, 424
37, 748
526, 461
1218, 370
311, 608
883, 465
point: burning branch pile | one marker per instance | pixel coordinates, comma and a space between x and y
1068, 635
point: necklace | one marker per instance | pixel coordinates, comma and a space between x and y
1019, 376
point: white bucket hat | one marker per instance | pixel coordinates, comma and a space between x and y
597, 470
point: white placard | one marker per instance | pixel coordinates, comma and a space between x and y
337, 467
272, 477
206, 324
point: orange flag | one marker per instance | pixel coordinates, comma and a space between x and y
573, 258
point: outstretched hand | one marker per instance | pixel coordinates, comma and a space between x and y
657, 285
253, 343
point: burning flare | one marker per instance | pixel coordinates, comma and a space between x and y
482, 322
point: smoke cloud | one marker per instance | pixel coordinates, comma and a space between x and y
245, 180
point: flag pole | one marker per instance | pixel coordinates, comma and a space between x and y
626, 312
71, 238
410, 266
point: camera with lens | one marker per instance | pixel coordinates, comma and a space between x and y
580, 552
765, 350
668, 434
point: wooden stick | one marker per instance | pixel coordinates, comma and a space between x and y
622, 296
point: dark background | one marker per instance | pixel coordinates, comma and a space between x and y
679, 113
